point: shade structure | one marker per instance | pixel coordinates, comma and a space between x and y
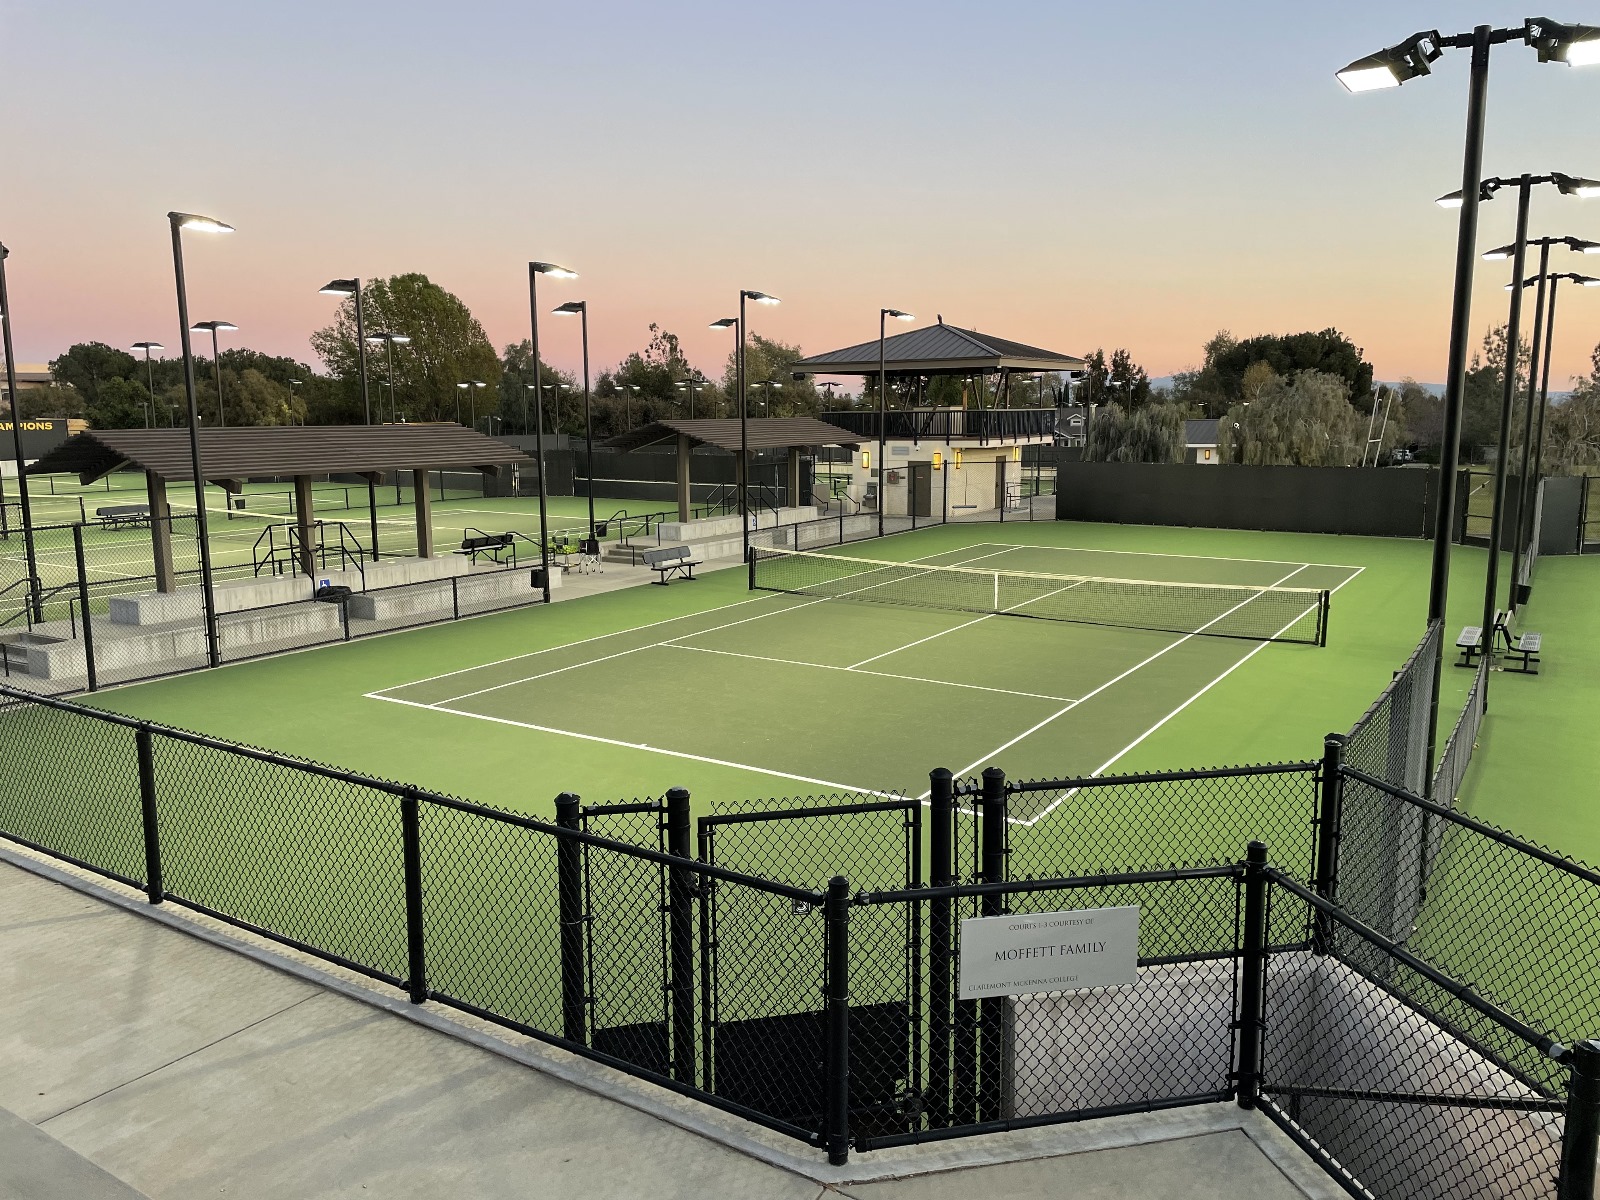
249, 452
939, 350
765, 433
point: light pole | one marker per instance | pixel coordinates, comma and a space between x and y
581, 309
628, 390
690, 385
1519, 594
390, 341
34, 584
1517, 252
474, 386
216, 362
766, 398
536, 269
1389, 68
740, 326
883, 409
352, 288
179, 222
150, 380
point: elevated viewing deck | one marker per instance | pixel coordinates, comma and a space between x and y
951, 424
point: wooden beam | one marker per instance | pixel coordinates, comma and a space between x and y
684, 450
305, 521
424, 505
160, 532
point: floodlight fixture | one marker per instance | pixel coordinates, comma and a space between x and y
898, 315
758, 297
1575, 45
340, 287
1393, 66
550, 269
724, 323
571, 308
394, 339
147, 347
212, 326
195, 223
1571, 185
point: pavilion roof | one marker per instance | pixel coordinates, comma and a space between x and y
939, 350
763, 433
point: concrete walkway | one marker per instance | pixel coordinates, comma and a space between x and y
143, 1053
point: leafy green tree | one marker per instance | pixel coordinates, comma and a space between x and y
1306, 421
517, 407
1329, 352
119, 404
1153, 433
87, 365
770, 359
448, 345
1119, 381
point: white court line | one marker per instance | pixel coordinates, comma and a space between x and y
1272, 562
1120, 678
622, 653
919, 641
590, 737
1120, 754
795, 662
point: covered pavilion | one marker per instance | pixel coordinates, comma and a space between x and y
299, 452
790, 434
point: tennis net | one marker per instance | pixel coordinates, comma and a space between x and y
1218, 610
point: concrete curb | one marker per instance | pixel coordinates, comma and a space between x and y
694, 1117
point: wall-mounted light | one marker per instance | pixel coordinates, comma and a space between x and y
958, 460
866, 460
938, 460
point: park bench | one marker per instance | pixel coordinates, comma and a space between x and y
669, 561
1470, 643
492, 545
117, 516
1525, 649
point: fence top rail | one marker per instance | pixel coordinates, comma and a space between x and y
821, 810
1065, 883
1549, 857
1435, 630
1090, 781
410, 792
1543, 1042
627, 806
754, 882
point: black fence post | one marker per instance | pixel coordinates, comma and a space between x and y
1581, 1139
83, 603
836, 914
569, 890
455, 600
1252, 966
680, 936
153, 887
941, 958
994, 1065
411, 847
1330, 817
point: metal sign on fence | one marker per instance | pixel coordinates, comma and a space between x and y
1020, 955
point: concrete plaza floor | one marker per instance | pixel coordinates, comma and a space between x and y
143, 1053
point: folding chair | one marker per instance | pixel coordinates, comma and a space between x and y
589, 556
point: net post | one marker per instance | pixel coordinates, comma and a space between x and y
154, 889
1330, 818
994, 1044
455, 600
680, 936
1252, 966
411, 853
569, 889
1324, 608
83, 603
941, 962
750, 567
1581, 1137
836, 912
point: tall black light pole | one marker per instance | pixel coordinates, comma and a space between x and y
536, 269
34, 584
691, 385
1530, 492
581, 309
733, 324
216, 362
744, 427
883, 410
390, 341
460, 387
150, 379
179, 222
352, 288
1389, 68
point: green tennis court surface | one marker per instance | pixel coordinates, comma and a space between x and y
737, 695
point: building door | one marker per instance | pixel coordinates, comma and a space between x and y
1000, 483
922, 489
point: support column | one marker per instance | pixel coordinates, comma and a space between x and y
684, 493
794, 477
160, 532
305, 523
424, 502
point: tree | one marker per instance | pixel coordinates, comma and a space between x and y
1306, 421
87, 365
1153, 433
448, 346
1121, 381
119, 404
1572, 428
518, 406
770, 359
1328, 352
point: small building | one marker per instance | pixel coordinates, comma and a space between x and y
940, 461
1200, 443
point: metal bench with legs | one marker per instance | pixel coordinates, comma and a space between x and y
1525, 649
1470, 643
671, 560
493, 545
117, 516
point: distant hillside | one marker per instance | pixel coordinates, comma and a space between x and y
1436, 388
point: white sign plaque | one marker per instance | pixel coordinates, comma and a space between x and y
1028, 953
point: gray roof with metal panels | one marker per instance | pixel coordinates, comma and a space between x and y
763, 433
939, 350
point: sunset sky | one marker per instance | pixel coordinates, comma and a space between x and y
1073, 175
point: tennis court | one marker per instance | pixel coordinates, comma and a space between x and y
862, 682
